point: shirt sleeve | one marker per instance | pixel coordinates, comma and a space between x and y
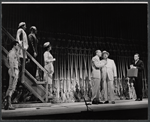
97, 63
140, 66
18, 36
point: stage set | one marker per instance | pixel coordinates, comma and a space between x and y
75, 32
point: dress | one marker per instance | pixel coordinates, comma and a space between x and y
48, 66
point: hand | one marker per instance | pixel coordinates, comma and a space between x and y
131, 66
35, 54
104, 61
27, 61
54, 59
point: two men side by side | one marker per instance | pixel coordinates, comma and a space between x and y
103, 71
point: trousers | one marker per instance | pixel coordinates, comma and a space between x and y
95, 88
13, 79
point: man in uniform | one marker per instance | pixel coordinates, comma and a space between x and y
21, 37
33, 41
13, 60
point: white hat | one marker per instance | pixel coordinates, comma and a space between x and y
105, 52
33, 27
21, 23
46, 44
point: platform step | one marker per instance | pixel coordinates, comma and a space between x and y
32, 105
40, 82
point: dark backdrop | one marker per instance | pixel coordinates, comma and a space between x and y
77, 30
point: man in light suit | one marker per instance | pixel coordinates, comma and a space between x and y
96, 77
109, 74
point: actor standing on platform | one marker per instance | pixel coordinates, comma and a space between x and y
21, 37
13, 61
137, 63
33, 42
96, 77
48, 61
109, 74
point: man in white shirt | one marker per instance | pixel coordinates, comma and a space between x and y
21, 37
96, 77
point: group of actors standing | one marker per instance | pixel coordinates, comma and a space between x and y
102, 70
15, 61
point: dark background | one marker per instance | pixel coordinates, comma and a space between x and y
73, 29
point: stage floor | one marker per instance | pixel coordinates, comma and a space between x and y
123, 109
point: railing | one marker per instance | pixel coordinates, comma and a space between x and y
23, 65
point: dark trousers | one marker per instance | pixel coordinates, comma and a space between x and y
138, 87
32, 67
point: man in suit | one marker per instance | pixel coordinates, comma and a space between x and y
33, 42
109, 74
96, 77
137, 63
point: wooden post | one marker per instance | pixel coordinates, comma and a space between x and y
23, 66
46, 91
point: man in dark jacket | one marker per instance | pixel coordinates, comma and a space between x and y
33, 42
137, 63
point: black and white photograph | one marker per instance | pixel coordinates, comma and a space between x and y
74, 61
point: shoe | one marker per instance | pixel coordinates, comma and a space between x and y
137, 99
11, 108
113, 102
100, 102
9, 105
140, 99
106, 102
94, 102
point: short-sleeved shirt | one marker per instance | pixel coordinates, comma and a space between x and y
13, 58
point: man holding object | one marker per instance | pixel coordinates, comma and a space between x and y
137, 63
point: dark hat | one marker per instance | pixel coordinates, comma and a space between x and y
105, 52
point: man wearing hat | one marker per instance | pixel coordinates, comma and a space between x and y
21, 37
109, 74
33, 42
96, 77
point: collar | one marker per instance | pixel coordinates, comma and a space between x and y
136, 61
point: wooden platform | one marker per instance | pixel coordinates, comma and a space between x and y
123, 109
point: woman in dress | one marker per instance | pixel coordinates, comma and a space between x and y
48, 65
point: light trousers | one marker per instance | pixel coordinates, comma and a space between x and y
95, 88
108, 88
